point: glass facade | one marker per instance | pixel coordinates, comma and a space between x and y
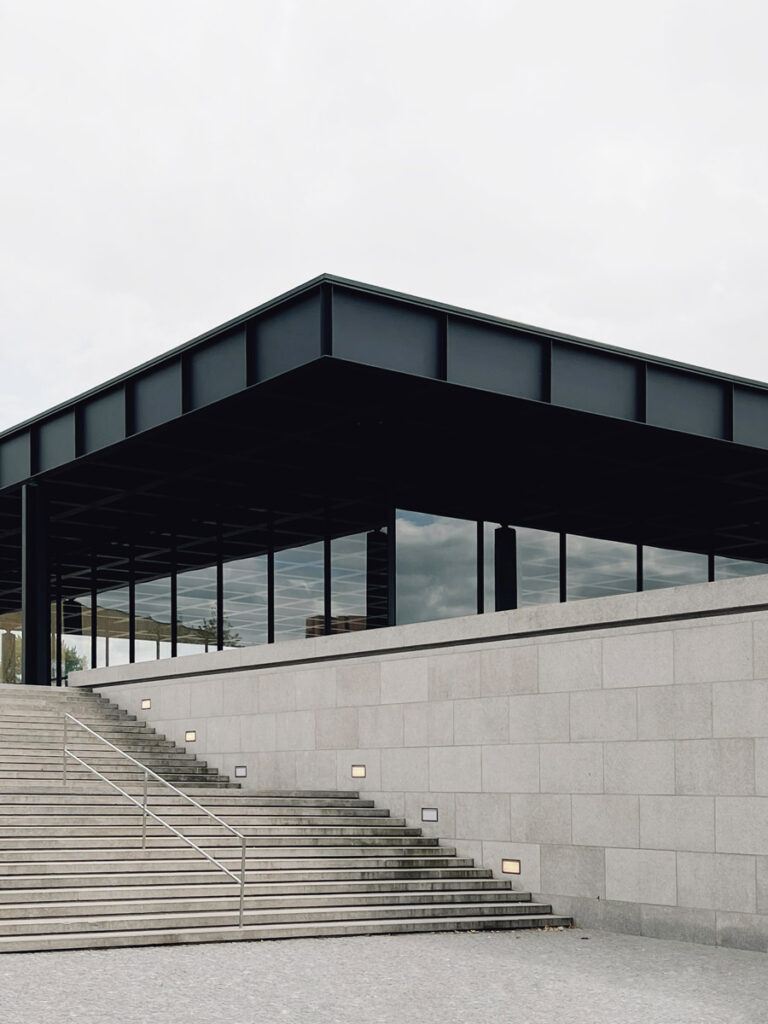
10, 647
300, 592
435, 567
599, 568
196, 617
245, 608
665, 568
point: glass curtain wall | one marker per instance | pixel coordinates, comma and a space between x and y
359, 581
443, 567
733, 568
196, 615
436, 567
10, 647
599, 568
152, 623
246, 602
665, 568
300, 592
536, 560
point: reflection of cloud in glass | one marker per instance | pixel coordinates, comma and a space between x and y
732, 568
663, 567
436, 567
598, 568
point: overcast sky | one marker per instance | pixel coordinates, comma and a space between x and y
599, 168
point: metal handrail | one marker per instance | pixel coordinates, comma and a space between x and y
66, 752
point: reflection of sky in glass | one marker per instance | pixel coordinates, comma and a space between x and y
245, 602
153, 619
436, 567
598, 568
665, 568
349, 560
196, 610
538, 566
299, 592
732, 568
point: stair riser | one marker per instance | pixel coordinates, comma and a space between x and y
162, 905
266, 917
202, 875
304, 888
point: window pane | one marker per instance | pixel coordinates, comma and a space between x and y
359, 581
196, 611
153, 619
76, 634
245, 602
113, 627
10, 647
436, 567
731, 568
598, 568
538, 566
299, 592
665, 568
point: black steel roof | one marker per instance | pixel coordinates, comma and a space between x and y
338, 394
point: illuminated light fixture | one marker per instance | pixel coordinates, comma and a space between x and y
241, 771
510, 867
190, 736
358, 771
146, 704
429, 814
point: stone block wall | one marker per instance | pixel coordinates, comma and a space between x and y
618, 748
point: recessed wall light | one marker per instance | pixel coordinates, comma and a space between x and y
510, 867
429, 814
190, 736
241, 771
146, 704
358, 771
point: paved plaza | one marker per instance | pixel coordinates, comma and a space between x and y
572, 977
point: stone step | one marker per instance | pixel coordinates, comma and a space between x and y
201, 873
186, 919
124, 829
228, 902
349, 888
305, 862
370, 926
264, 836
230, 852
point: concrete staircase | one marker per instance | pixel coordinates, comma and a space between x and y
73, 873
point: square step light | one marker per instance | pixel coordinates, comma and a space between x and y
190, 736
241, 771
146, 704
429, 814
510, 866
358, 771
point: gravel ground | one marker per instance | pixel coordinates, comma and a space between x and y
577, 976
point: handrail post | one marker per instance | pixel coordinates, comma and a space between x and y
144, 814
242, 880
64, 753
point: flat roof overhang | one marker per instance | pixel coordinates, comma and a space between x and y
316, 411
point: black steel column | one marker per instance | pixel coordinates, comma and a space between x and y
132, 605
563, 567
174, 599
505, 567
35, 589
219, 592
392, 568
94, 613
